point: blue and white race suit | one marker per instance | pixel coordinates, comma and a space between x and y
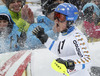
73, 45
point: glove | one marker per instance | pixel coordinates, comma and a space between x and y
69, 63
40, 34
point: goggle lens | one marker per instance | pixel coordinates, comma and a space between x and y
59, 16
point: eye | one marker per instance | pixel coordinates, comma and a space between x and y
5, 21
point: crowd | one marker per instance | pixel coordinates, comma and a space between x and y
91, 22
23, 18
18, 31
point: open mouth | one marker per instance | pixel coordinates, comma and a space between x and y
17, 8
57, 25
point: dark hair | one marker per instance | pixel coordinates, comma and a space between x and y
51, 8
48, 6
10, 23
4, 17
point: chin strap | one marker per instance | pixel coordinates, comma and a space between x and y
69, 23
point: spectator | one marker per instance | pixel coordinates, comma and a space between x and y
71, 45
46, 3
19, 16
78, 3
97, 2
46, 22
91, 23
15, 7
9, 33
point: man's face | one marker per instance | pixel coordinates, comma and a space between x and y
61, 26
15, 6
60, 22
3, 25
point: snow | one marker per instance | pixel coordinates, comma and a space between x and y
42, 58
41, 63
95, 53
32, 1
36, 9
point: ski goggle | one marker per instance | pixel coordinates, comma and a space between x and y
59, 16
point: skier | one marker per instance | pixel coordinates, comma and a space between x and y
9, 33
92, 22
71, 46
47, 23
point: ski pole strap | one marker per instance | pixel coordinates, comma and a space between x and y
61, 68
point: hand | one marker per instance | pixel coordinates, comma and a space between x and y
61, 68
69, 63
27, 14
24, 12
39, 33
